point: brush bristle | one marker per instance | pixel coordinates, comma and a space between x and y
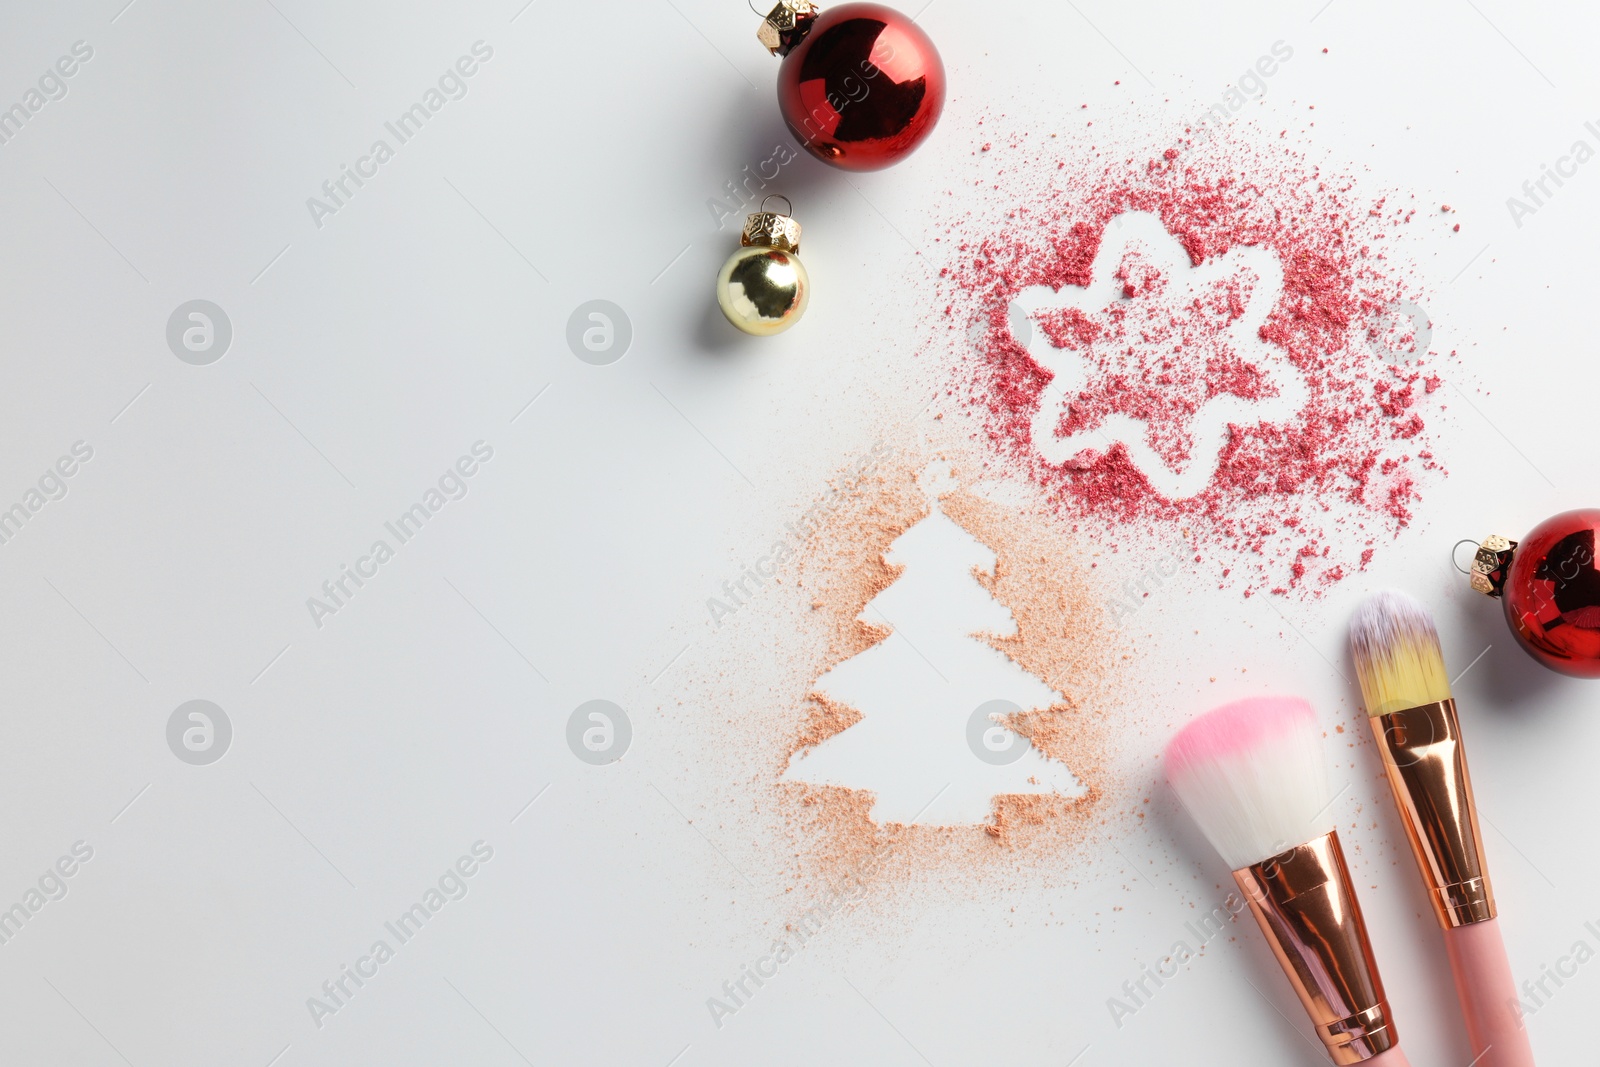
1397, 654
1251, 774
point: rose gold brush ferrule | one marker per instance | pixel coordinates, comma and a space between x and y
1427, 770
1306, 906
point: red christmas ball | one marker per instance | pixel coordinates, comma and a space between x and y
1551, 592
862, 88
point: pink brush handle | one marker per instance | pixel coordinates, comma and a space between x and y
1488, 995
1393, 1058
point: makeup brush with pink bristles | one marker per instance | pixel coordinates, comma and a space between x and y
1251, 773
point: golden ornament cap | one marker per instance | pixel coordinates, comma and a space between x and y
1490, 562
786, 25
771, 229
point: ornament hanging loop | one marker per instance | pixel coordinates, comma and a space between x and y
788, 206
1455, 558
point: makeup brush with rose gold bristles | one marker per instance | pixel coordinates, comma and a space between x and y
1252, 775
1407, 694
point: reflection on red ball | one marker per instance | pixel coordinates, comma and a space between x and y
1552, 593
863, 88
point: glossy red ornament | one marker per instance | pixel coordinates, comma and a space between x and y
861, 85
1549, 583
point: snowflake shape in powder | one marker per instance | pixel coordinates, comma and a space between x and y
1157, 354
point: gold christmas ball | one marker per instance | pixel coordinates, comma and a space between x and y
763, 290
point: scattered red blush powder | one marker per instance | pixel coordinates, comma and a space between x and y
1293, 505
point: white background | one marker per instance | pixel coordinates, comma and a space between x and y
369, 353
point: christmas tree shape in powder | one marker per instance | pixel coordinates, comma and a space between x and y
929, 745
